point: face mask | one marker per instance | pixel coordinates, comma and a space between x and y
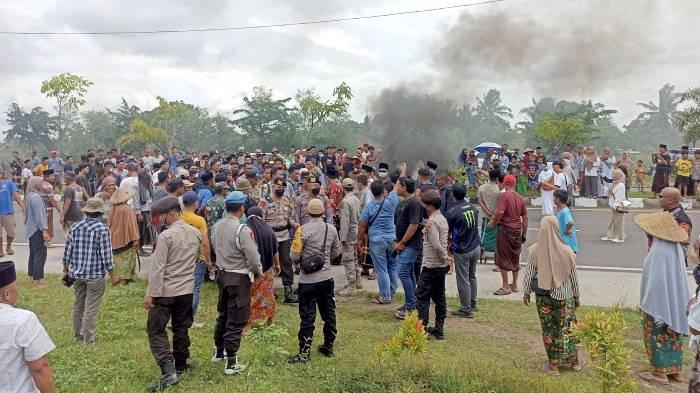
316, 191
382, 174
279, 192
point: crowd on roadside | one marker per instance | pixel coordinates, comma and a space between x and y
242, 219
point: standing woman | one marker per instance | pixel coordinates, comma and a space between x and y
551, 274
125, 235
591, 163
616, 195
625, 164
262, 297
107, 188
664, 296
37, 229
146, 231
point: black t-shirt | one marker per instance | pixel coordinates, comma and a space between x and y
410, 212
463, 220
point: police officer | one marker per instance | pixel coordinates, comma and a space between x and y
312, 189
315, 287
279, 214
238, 260
349, 219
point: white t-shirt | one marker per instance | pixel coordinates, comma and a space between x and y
594, 170
606, 167
561, 181
148, 161
155, 177
133, 183
22, 339
547, 196
26, 174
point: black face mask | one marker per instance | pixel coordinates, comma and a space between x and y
316, 191
279, 192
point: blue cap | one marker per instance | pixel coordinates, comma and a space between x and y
189, 197
236, 197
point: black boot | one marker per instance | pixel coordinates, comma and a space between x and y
437, 331
326, 350
183, 367
232, 365
289, 296
304, 355
168, 377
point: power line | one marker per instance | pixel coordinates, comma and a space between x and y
251, 27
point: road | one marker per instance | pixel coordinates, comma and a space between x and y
591, 225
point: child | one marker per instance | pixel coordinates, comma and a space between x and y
683, 168
640, 173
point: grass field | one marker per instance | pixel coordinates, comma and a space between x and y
499, 351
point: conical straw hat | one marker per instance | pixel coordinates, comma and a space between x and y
661, 225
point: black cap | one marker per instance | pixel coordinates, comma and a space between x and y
165, 204
206, 176
279, 181
220, 177
251, 175
432, 165
313, 180
383, 165
48, 172
8, 275
367, 168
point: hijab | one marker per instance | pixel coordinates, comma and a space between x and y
618, 177
592, 158
552, 258
33, 187
664, 291
123, 225
264, 236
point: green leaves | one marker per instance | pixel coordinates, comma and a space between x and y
68, 89
689, 118
143, 134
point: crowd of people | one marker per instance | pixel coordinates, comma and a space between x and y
242, 219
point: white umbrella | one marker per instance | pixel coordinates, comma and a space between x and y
483, 147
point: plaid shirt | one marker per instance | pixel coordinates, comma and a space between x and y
88, 252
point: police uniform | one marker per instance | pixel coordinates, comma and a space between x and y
349, 219
238, 260
301, 215
279, 214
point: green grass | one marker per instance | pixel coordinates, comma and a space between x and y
500, 351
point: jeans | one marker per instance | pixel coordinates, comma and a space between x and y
384, 267
311, 296
88, 296
465, 267
179, 308
37, 256
405, 261
200, 271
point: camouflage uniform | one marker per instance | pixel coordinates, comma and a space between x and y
349, 218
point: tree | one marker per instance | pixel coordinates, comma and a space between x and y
168, 113
69, 92
315, 111
661, 116
557, 129
142, 134
264, 118
124, 115
491, 111
31, 129
689, 117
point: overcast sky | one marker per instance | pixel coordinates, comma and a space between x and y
617, 54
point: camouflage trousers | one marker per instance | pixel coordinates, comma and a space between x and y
349, 259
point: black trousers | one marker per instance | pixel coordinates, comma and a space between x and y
431, 285
37, 256
417, 264
311, 295
234, 310
286, 265
179, 308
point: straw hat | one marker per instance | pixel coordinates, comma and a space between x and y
661, 225
121, 195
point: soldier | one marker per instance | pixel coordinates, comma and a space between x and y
262, 191
238, 260
279, 214
312, 189
349, 219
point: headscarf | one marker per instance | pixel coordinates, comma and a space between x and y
33, 187
264, 236
664, 291
618, 177
123, 225
593, 157
552, 258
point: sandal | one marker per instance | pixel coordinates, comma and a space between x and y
10, 251
678, 377
546, 367
581, 364
649, 377
502, 292
372, 276
377, 300
514, 288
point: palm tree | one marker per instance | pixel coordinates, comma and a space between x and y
661, 116
467, 118
689, 118
491, 111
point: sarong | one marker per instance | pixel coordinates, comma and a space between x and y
556, 317
125, 262
508, 248
488, 236
262, 298
660, 181
664, 346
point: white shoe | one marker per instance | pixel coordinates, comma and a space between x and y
617, 240
605, 238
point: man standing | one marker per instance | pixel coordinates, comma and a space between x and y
292, 190
169, 292
607, 164
511, 218
56, 165
488, 202
312, 189
238, 260
206, 190
349, 219
547, 180
670, 201
132, 183
316, 240
408, 243
663, 169
24, 343
463, 221
279, 214
86, 258
189, 200
377, 223
72, 202
8, 194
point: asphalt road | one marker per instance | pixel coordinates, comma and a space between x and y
591, 225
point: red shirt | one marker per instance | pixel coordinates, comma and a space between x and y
335, 196
511, 205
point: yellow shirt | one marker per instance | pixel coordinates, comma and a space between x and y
683, 167
199, 223
39, 170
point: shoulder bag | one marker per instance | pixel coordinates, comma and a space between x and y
316, 262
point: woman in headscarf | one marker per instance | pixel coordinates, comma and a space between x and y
591, 180
616, 195
551, 274
664, 296
107, 188
262, 299
37, 231
625, 164
568, 171
146, 231
124, 226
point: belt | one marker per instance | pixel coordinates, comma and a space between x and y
282, 228
244, 272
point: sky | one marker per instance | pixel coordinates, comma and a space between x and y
618, 53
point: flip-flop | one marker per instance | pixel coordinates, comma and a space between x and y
372, 277
675, 378
547, 368
649, 377
377, 300
10, 252
502, 292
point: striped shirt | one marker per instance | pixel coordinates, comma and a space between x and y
88, 252
567, 290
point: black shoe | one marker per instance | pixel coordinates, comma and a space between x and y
326, 351
167, 378
460, 313
232, 366
144, 254
181, 369
219, 355
289, 296
299, 358
437, 334
475, 308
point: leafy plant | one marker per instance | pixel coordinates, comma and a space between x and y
69, 91
266, 351
411, 338
600, 334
